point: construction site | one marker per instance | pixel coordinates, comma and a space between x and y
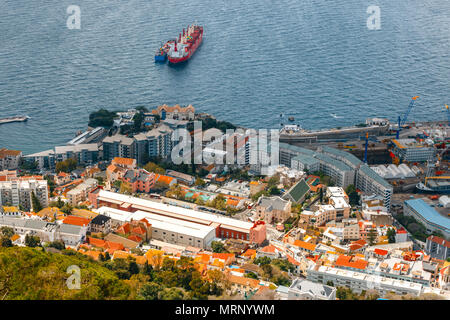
411, 156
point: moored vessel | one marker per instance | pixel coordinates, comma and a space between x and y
14, 119
185, 46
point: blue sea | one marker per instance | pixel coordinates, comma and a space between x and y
259, 58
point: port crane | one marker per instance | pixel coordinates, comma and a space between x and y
402, 120
448, 113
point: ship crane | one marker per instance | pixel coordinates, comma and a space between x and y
402, 120
448, 114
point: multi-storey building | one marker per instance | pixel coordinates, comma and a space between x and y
18, 192
154, 143
84, 154
119, 146
412, 151
369, 182
80, 192
438, 248
9, 159
139, 180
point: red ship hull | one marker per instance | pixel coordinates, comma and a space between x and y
191, 51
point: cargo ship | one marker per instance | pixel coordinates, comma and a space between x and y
437, 185
14, 119
181, 50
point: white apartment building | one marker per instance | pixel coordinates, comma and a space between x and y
80, 192
17, 192
369, 182
9, 159
308, 290
358, 281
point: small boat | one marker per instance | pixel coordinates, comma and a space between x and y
14, 119
291, 119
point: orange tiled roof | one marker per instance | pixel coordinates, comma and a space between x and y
380, 252
305, 245
164, 179
123, 161
351, 262
223, 256
249, 253
138, 230
135, 238
248, 282
76, 221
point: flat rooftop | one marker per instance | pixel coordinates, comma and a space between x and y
175, 211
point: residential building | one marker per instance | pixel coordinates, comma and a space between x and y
80, 192
273, 209
71, 235
438, 248
84, 154
118, 146
302, 289
154, 143
126, 163
139, 180
369, 182
360, 281
18, 192
9, 159
101, 223
297, 193
176, 112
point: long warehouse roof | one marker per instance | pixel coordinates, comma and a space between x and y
175, 211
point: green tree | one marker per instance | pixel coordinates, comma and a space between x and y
67, 165
67, 208
172, 294
251, 275
58, 244
37, 206
102, 118
153, 167
200, 182
5, 242
7, 231
149, 291
353, 196
391, 235
262, 260
218, 247
372, 236
32, 241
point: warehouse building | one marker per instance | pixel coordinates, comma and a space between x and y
427, 215
176, 231
228, 228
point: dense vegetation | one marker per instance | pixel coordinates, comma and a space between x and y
102, 118
67, 165
32, 273
209, 123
